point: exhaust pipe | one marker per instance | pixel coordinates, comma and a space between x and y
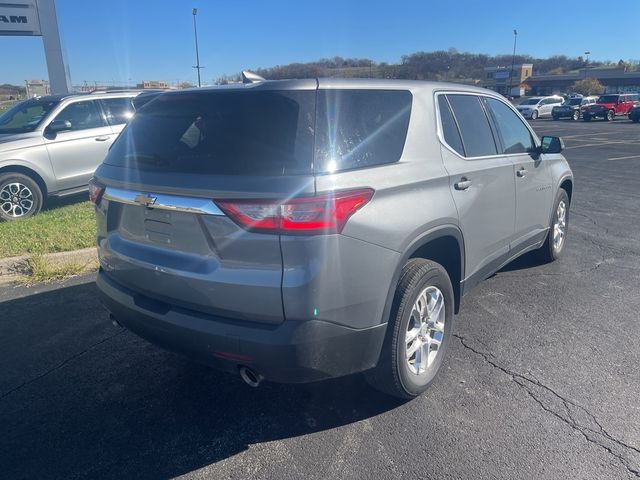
250, 377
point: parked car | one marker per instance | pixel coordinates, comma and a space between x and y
50, 146
610, 106
572, 107
538, 107
634, 114
299, 230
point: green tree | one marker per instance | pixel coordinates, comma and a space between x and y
588, 86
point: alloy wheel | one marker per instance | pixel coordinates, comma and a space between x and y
560, 225
425, 330
16, 200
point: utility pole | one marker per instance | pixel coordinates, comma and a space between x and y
194, 12
513, 60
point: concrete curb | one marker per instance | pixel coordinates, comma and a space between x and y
14, 268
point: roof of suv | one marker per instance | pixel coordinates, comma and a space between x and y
339, 83
64, 96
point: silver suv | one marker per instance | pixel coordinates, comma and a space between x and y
301, 230
50, 146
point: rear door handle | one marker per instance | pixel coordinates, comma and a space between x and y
463, 184
101, 139
522, 172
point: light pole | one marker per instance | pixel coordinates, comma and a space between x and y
513, 60
586, 62
195, 34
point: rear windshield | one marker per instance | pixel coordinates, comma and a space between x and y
227, 133
265, 133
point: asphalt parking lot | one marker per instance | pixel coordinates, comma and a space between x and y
543, 380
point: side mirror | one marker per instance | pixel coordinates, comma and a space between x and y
551, 144
59, 126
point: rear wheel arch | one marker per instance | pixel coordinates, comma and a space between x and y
443, 245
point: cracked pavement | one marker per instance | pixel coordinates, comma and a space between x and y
542, 380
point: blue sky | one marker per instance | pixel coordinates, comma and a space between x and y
118, 40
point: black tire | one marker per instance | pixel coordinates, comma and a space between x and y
576, 115
555, 117
610, 116
18, 206
586, 117
392, 375
534, 115
550, 252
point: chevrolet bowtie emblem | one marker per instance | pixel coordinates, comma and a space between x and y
145, 199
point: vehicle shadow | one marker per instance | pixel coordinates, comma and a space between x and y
59, 202
528, 260
82, 398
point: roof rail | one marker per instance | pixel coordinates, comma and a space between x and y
250, 77
123, 90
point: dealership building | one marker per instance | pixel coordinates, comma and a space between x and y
507, 80
614, 80
524, 81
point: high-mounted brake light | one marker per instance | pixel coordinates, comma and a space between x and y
325, 213
96, 190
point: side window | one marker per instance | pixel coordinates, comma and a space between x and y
515, 136
477, 137
118, 110
82, 115
449, 127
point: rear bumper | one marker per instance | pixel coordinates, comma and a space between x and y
292, 352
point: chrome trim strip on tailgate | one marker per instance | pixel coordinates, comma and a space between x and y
174, 203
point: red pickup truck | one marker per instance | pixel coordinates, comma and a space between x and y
608, 106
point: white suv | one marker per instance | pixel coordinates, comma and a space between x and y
50, 146
537, 107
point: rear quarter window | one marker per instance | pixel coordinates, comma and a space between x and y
360, 128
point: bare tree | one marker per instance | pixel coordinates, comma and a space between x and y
588, 86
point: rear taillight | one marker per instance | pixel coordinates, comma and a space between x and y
95, 191
325, 213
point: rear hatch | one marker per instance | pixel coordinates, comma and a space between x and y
163, 230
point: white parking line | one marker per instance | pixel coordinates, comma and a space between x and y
624, 158
581, 135
602, 143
